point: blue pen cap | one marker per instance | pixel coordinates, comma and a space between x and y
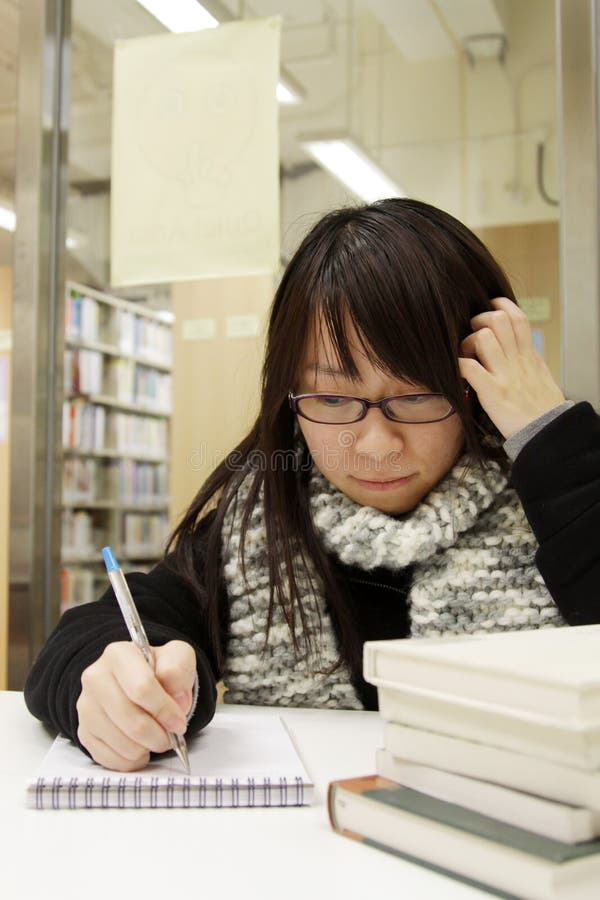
109, 559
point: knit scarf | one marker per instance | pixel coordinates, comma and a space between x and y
473, 556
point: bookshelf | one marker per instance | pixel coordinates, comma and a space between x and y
115, 436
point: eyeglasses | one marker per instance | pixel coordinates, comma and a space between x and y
337, 409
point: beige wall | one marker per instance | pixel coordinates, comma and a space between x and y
529, 255
5, 324
215, 379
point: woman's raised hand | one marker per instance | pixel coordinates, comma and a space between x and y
125, 709
511, 380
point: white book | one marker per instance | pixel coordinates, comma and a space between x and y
568, 742
551, 671
560, 821
517, 770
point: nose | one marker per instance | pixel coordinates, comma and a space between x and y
376, 435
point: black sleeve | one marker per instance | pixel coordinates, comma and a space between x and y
168, 610
557, 477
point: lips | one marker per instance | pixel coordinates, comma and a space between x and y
381, 484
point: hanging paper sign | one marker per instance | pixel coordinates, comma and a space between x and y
195, 162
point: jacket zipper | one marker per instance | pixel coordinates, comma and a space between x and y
388, 587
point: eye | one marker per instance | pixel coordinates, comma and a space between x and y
415, 399
333, 401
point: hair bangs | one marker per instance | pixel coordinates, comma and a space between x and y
375, 295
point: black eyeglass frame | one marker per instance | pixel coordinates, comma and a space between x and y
294, 399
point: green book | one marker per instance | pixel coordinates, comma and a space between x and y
462, 843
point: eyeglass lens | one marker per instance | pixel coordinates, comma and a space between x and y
339, 410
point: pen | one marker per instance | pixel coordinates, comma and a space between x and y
137, 634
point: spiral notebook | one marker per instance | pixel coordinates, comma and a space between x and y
238, 760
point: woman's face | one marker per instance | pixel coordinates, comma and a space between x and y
376, 462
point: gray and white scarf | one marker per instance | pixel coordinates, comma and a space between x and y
473, 556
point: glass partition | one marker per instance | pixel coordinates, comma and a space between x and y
9, 27
453, 107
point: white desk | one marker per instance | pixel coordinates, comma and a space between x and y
250, 854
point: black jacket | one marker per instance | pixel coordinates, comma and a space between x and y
557, 477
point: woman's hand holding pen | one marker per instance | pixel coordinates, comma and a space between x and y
125, 709
499, 361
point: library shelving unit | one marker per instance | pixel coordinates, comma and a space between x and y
115, 435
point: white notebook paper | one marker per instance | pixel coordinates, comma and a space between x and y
237, 760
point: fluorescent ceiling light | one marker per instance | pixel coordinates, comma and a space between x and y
288, 94
75, 240
180, 15
8, 219
188, 15
353, 168
285, 96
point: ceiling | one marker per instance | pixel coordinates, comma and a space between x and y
330, 48
319, 39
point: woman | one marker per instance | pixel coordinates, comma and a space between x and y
370, 500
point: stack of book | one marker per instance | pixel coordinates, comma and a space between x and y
490, 770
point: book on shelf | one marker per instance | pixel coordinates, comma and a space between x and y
237, 760
523, 772
561, 821
117, 403
569, 742
83, 425
83, 372
547, 671
80, 480
93, 317
82, 317
144, 530
82, 532
138, 434
118, 381
80, 584
84, 582
503, 859
87, 427
118, 482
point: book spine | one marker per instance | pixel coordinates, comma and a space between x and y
357, 812
422, 666
531, 735
562, 822
332, 801
477, 760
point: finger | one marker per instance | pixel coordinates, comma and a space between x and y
139, 684
98, 723
111, 716
109, 758
519, 322
499, 323
484, 346
476, 375
175, 670
106, 730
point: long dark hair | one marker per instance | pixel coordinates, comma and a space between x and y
408, 278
